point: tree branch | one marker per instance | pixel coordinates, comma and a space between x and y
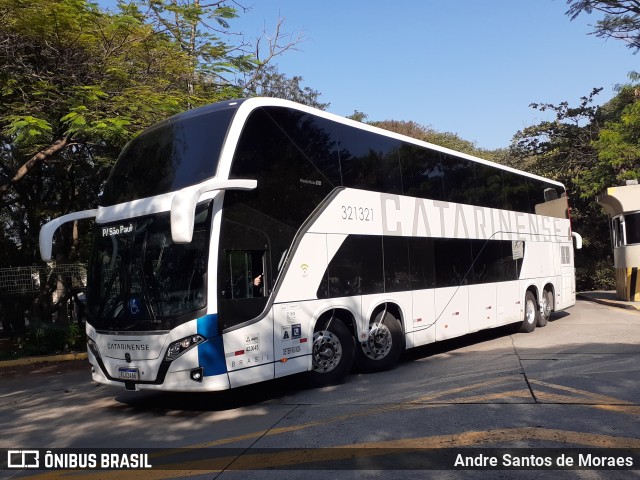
34, 161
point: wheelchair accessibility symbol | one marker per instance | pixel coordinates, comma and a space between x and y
134, 306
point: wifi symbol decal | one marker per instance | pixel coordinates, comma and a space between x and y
304, 267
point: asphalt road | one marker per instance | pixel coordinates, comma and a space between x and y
572, 384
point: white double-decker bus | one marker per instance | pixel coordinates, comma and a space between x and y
253, 239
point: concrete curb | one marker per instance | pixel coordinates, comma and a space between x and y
18, 362
609, 302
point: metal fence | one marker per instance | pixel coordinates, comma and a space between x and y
31, 280
47, 293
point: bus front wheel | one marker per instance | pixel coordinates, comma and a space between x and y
384, 345
332, 353
531, 314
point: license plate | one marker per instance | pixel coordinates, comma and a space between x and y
127, 373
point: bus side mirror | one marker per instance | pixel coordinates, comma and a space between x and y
183, 205
578, 239
49, 228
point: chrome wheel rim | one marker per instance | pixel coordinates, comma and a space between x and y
546, 305
530, 312
379, 343
327, 351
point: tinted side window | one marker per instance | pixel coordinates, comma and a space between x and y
421, 263
487, 255
396, 264
356, 269
314, 138
422, 174
489, 186
417, 263
459, 180
511, 266
369, 161
453, 262
272, 151
515, 192
493, 261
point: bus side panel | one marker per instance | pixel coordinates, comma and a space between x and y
306, 270
482, 306
452, 312
538, 260
251, 375
293, 336
249, 352
509, 302
423, 317
568, 288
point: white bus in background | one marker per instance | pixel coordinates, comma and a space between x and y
253, 239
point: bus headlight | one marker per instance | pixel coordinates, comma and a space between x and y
93, 347
178, 347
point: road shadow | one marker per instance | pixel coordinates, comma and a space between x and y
476, 338
272, 391
276, 391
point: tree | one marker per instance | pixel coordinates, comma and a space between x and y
561, 148
618, 143
615, 138
621, 18
270, 83
569, 148
77, 83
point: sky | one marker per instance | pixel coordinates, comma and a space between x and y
469, 67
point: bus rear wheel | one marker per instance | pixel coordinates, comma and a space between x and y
546, 306
332, 353
531, 314
384, 345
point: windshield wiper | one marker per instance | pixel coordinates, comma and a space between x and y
145, 290
110, 281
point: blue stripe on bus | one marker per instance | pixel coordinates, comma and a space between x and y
211, 353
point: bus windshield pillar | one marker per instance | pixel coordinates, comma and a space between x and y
184, 203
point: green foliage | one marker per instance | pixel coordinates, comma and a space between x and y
358, 116
49, 338
589, 148
27, 130
618, 143
561, 148
77, 83
598, 274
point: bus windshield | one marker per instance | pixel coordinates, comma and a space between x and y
174, 154
140, 280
